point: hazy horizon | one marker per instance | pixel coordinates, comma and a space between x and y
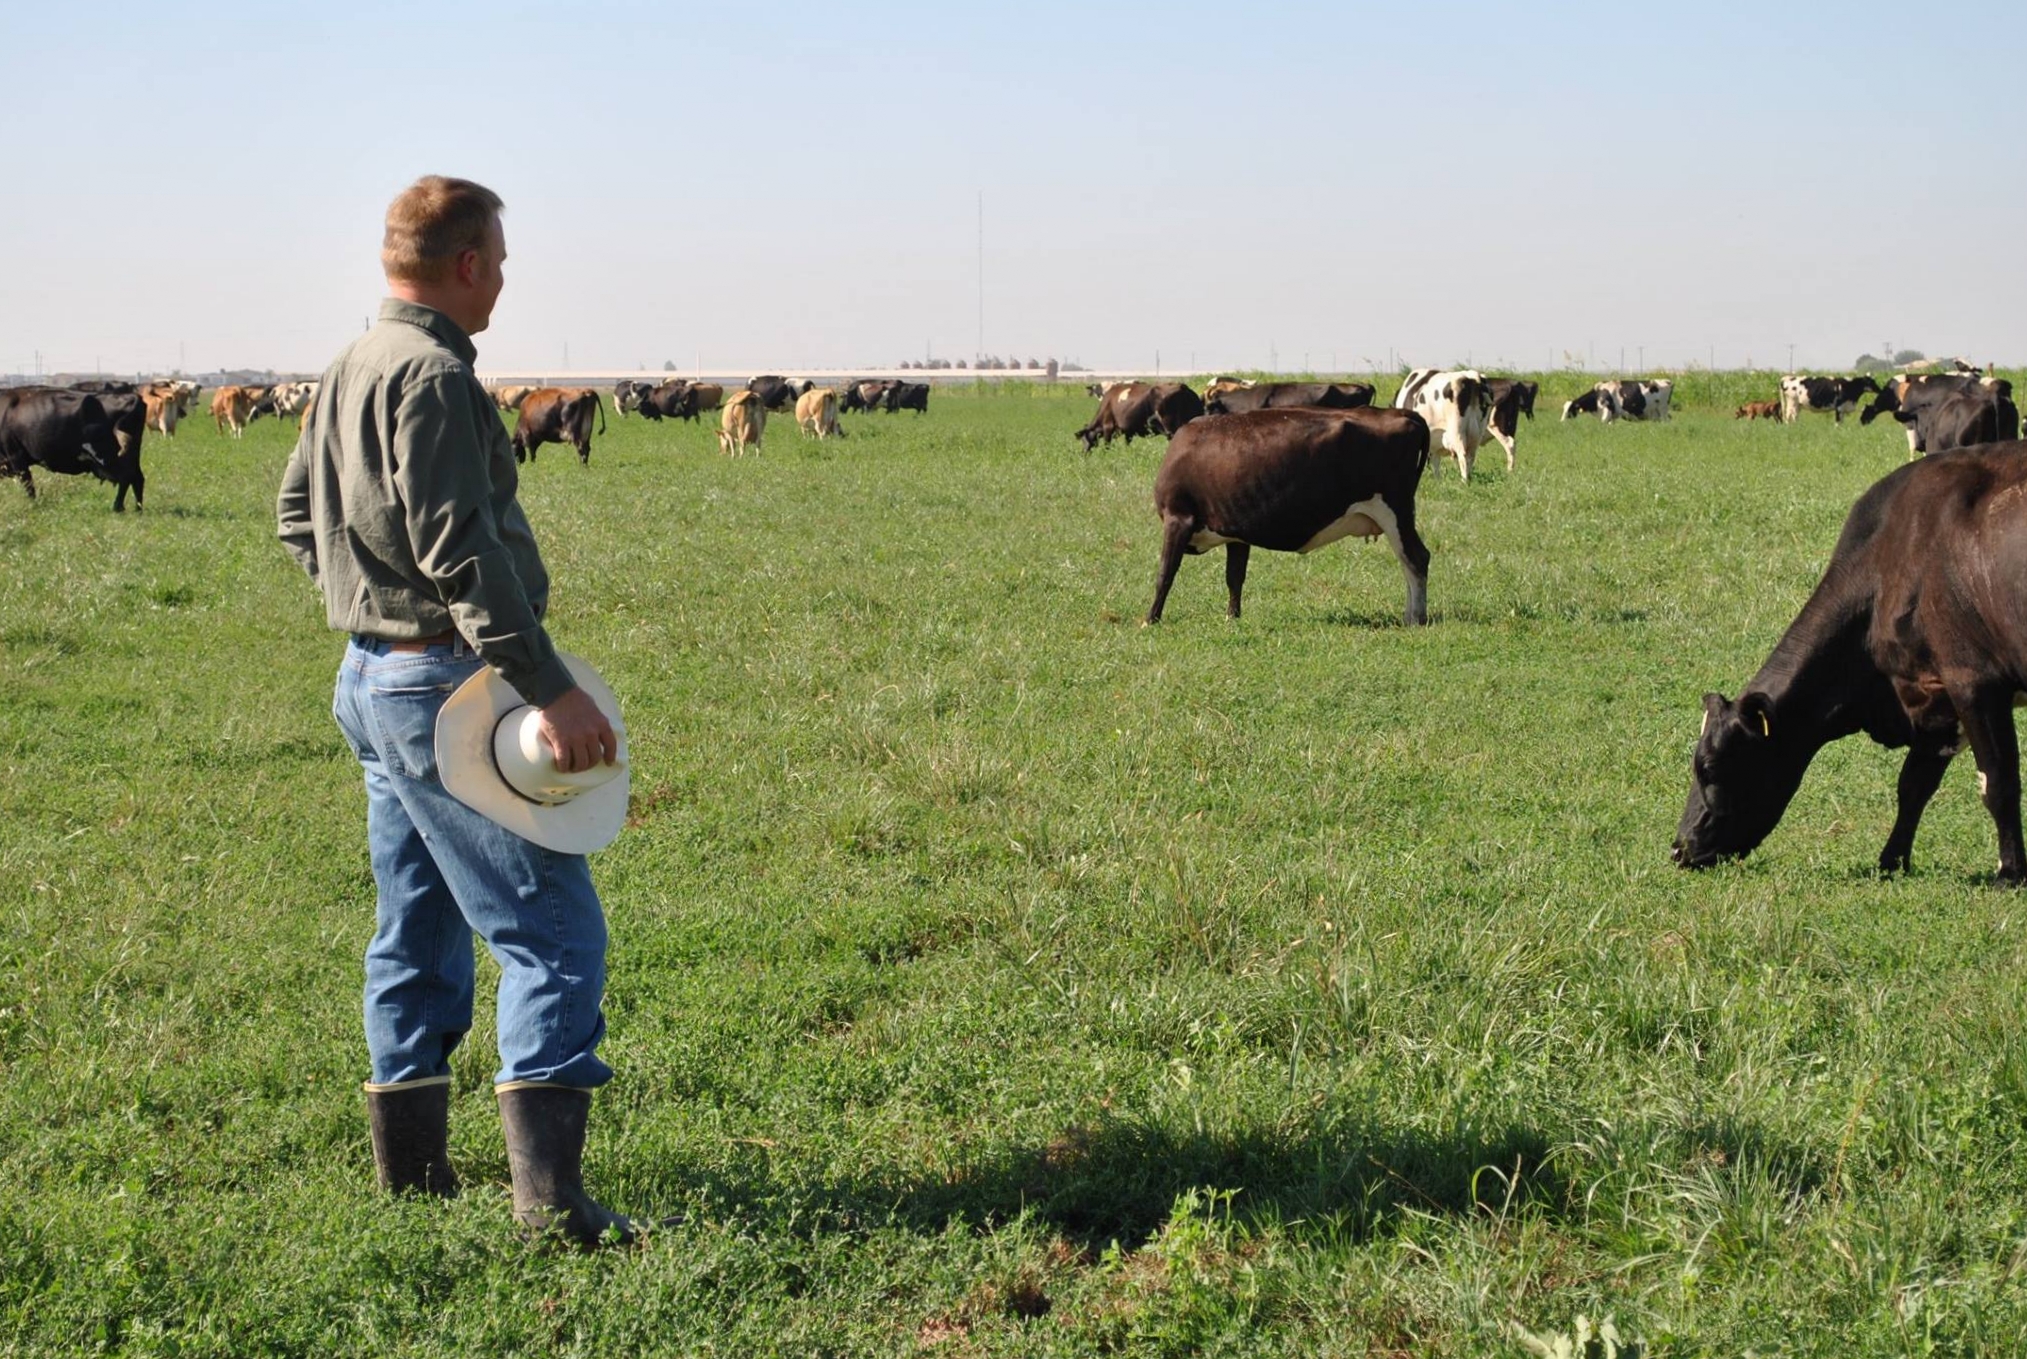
1328, 186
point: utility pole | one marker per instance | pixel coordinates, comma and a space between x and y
981, 272
1791, 356
1643, 358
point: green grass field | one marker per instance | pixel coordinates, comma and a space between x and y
994, 975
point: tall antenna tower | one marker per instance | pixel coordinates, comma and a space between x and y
981, 273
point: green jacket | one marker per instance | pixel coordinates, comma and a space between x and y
399, 502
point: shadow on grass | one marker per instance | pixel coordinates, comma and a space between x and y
1120, 1182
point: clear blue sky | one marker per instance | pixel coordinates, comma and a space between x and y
791, 185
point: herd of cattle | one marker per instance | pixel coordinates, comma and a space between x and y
565, 415
1916, 636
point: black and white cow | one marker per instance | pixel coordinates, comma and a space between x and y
1511, 399
775, 393
1839, 396
1628, 399
1456, 404
626, 394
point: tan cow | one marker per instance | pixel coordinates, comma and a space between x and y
164, 406
510, 398
232, 406
743, 422
816, 412
1759, 410
1218, 386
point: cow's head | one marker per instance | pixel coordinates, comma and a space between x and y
1745, 772
1886, 403
1527, 392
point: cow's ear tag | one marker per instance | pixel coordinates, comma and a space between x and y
1765, 730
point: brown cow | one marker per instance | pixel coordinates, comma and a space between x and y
743, 422
557, 415
233, 407
1292, 480
1916, 636
1137, 409
1758, 410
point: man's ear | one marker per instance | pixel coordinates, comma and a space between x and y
467, 267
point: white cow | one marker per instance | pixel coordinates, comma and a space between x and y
1457, 403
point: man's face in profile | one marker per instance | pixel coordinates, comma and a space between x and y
487, 276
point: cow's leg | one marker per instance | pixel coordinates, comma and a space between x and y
1988, 726
1236, 557
1505, 442
28, 481
1920, 775
1414, 558
1176, 532
584, 454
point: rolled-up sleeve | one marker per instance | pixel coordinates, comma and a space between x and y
440, 474
294, 524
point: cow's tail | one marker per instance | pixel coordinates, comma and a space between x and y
601, 411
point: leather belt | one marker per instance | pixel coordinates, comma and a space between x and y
424, 643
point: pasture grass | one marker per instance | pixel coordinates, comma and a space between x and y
993, 975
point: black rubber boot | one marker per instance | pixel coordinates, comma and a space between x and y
545, 1151
411, 1139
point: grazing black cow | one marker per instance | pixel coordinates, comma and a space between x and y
775, 393
906, 396
558, 415
1094, 389
1292, 480
1334, 396
1916, 636
66, 433
1832, 394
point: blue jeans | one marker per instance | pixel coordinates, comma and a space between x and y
444, 873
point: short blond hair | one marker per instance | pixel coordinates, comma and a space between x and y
433, 221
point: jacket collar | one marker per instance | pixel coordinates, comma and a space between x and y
433, 321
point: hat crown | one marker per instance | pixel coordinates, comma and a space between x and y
529, 766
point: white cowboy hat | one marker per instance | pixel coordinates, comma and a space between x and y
493, 759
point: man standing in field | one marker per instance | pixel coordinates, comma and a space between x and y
400, 503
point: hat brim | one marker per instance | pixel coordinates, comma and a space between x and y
464, 759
